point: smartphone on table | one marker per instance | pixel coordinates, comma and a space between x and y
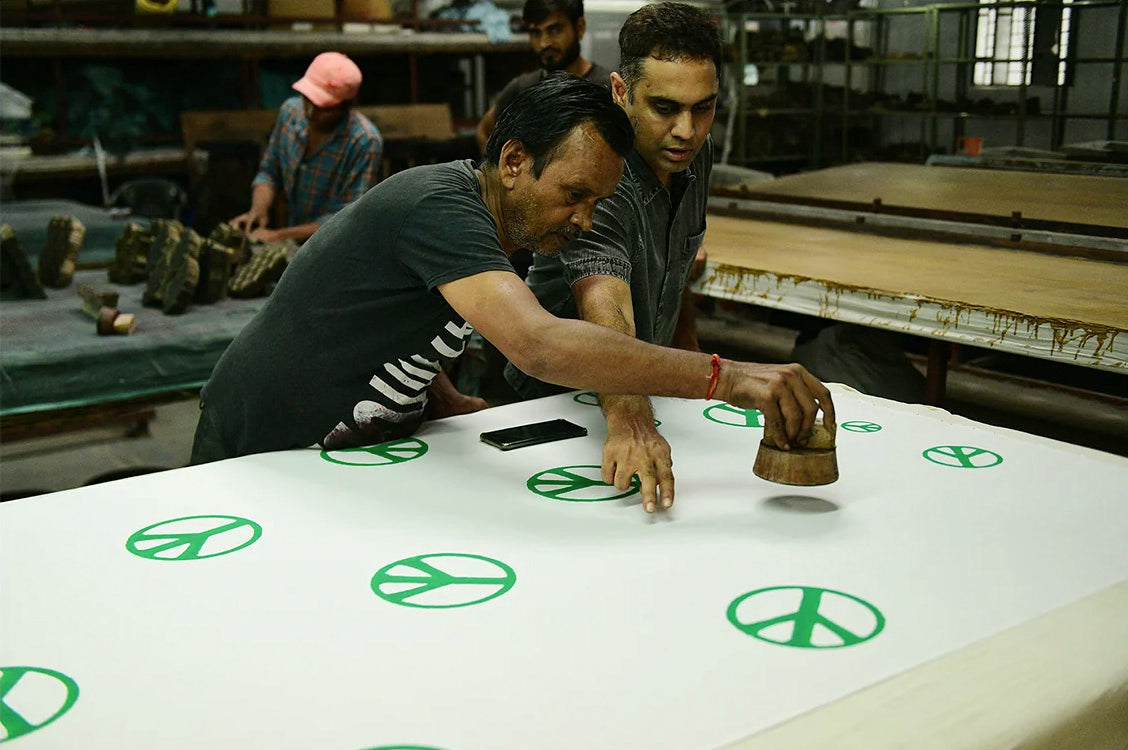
533, 434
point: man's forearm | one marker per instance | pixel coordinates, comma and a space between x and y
620, 411
262, 197
298, 233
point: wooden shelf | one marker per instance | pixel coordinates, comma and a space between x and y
239, 44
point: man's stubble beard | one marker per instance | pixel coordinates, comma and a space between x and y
569, 56
516, 218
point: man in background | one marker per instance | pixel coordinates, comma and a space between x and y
321, 156
630, 272
555, 30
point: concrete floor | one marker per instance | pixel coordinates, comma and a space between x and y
73, 459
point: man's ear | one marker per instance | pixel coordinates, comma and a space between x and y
581, 27
618, 90
512, 161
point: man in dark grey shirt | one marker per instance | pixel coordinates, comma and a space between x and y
348, 348
630, 271
555, 29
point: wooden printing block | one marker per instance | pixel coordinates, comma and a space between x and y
166, 235
216, 261
812, 465
131, 255
110, 321
60, 251
16, 274
265, 266
239, 242
96, 300
182, 274
102, 307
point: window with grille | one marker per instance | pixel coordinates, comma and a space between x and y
1005, 42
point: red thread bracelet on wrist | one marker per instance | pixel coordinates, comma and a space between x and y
715, 361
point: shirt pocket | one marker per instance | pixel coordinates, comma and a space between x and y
689, 251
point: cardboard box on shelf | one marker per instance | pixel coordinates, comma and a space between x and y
307, 9
366, 10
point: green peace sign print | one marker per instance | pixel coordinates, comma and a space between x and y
823, 618
860, 426
733, 416
443, 580
962, 456
578, 484
403, 747
587, 398
193, 537
384, 454
31, 698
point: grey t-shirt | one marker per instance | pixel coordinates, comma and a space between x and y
644, 234
596, 74
344, 349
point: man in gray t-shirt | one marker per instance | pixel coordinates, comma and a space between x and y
631, 270
555, 29
348, 349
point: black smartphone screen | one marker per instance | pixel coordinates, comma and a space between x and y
533, 434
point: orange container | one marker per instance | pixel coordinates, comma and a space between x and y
969, 146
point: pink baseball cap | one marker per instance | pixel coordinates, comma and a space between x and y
331, 79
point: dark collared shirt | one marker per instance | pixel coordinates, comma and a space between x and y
644, 234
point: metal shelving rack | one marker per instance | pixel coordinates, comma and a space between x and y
932, 61
940, 57
750, 109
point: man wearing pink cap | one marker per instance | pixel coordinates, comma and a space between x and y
322, 154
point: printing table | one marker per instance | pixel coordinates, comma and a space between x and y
30, 218
52, 360
865, 244
1061, 308
1067, 202
959, 586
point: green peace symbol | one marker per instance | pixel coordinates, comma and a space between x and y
15, 725
403, 747
193, 541
384, 454
806, 618
962, 456
860, 426
734, 417
431, 578
585, 479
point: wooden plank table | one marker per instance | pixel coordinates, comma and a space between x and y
1067, 202
1059, 308
240, 44
57, 373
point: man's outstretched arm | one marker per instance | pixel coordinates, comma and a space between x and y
579, 354
633, 444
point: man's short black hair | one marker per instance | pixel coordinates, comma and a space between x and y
667, 31
543, 115
536, 11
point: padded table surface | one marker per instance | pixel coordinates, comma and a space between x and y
1054, 307
437, 593
29, 219
51, 357
945, 191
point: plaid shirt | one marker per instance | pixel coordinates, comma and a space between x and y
339, 172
